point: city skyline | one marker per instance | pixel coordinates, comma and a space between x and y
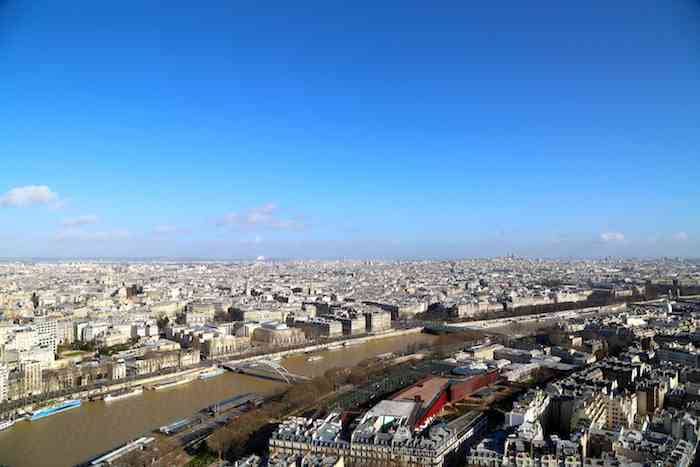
342, 234
400, 132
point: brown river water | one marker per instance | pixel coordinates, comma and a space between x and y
77, 435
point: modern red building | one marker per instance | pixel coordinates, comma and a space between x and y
431, 395
462, 388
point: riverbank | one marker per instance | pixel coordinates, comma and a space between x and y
559, 315
97, 427
150, 379
104, 390
349, 342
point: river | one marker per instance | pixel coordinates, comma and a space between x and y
75, 436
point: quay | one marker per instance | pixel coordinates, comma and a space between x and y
97, 393
558, 315
333, 345
113, 456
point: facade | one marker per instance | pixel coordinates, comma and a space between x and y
378, 321
652, 448
530, 407
296, 460
65, 332
46, 333
119, 370
650, 396
257, 315
476, 307
92, 330
278, 335
681, 355
4, 382
315, 328
679, 424
488, 453
374, 445
353, 326
222, 345
31, 377
153, 362
621, 410
111, 338
483, 351
195, 319
514, 355
550, 452
25, 339
207, 309
76, 376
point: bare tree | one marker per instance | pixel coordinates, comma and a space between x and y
220, 441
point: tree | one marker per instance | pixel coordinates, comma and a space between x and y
220, 441
337, 377
137, 458
221, 316
358, 376
180, 317
163, 321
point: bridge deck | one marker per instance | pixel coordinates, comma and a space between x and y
265, 370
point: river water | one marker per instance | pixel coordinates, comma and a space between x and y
75, 436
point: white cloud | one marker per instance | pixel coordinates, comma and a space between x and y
264, 216
612, 236
80, 221
29, 195
81, 235
680, 236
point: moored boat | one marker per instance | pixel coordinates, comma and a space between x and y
111, 457
169, 384
56, 408
5, 424
177, 426
211, 373
123, 394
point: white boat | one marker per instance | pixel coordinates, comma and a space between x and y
5, 424
169, 384
211, 373
314, 358
123, 394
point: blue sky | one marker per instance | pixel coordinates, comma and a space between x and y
226, 129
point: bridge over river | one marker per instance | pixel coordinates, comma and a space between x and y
267, 369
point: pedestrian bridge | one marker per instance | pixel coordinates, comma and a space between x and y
266, 369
